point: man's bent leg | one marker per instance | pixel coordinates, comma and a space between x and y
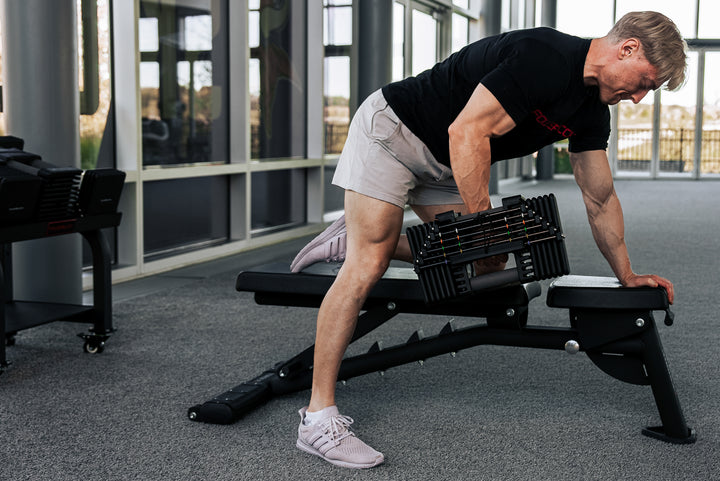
373, 229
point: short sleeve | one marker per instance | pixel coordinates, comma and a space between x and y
530, 74
595, 132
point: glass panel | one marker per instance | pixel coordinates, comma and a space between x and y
2, 114
462, 3
505, 20
459, 32
278, 200
585, 19
709, 14
338, 26
710, 153
677, 124
254, 29
254, 82
398, 62
183, 81
96, 148
278, 66
424, 41
520, 14
184, 214
682, 13
334, 195
538, 12
635, 123
198, 33
148, 35
337, 103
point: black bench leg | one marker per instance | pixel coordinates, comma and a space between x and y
5, 296
286, 377
674, 429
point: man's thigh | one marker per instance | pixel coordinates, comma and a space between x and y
373, 229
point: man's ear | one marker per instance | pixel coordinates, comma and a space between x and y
628, 48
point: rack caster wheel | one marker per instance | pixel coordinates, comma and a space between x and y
94, 343
94, 347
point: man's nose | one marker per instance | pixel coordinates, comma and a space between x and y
638, 96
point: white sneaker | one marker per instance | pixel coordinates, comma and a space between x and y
331, 439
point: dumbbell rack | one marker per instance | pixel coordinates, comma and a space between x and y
19, 315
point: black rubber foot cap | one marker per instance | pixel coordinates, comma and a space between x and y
658, 432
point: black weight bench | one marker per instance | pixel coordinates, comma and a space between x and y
613, 325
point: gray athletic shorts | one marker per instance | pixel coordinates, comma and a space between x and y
384, 160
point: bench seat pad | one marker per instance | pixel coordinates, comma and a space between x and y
274, 284
588, 292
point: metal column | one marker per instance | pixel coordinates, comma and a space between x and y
375, 45
545, 165
492, 16
41, 103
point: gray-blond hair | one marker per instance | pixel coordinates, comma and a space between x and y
661, 43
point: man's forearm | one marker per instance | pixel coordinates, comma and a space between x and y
470, 163
606, 222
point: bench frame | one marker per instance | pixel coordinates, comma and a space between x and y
613, 325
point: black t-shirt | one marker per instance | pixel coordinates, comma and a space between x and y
536, 75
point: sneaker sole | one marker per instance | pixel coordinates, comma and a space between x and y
333, 229
310, 450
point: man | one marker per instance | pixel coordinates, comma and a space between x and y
428, 141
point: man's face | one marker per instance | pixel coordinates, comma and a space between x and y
629, 77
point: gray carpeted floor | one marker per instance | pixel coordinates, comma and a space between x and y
490, 413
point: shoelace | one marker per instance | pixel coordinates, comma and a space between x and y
334, 252
337, 428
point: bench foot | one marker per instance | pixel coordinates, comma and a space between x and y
658, 432
228, 407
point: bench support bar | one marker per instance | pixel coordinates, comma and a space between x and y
614, 340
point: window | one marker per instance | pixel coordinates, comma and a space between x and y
424, 41
398, 62
337, 37
184, 214
276, 33
184, 85
278, 200
95, 83
682, 13
677, 124
459, 32
710, 154
585, 19
183, 79
707, 20
635, 135
425, 33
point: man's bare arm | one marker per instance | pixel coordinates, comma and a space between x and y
482, 118
594, 177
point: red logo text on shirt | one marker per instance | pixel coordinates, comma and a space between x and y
542, 119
